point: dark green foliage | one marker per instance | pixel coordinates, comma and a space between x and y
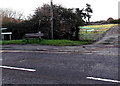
19, 29
88, 11
65, 23
116, 21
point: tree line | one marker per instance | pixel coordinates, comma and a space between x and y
66, 22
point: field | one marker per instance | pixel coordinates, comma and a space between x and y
94, 32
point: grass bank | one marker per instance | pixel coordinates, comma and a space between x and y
47, 42
94, 32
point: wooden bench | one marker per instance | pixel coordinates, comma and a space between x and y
33, 36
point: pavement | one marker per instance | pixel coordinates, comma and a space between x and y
87, 49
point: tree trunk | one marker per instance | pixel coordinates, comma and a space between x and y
77, 34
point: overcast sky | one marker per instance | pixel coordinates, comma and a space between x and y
102, 9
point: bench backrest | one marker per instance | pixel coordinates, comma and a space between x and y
33, 35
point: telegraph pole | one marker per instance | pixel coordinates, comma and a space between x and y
51, 11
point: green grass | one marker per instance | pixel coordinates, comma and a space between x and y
47, 42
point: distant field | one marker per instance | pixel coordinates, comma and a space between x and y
93, 32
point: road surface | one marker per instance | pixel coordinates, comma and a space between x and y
58, 68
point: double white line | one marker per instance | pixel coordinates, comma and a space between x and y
16, 68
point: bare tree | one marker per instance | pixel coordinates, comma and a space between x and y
10, 13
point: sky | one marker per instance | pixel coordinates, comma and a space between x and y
102, 9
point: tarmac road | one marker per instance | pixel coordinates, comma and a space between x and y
58, 68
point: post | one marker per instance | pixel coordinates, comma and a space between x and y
39, 25
0, 28
10, 37
51, 10
0, 49
3, 37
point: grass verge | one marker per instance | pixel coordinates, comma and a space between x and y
47, 42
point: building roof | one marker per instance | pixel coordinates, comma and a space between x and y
3, 28
5, 33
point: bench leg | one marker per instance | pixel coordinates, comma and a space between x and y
39, 38
27, 40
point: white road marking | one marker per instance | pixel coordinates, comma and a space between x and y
0, 59
23, 51
15, 68
101, 79
88, 53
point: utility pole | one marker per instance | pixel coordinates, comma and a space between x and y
0, 28
39, 22
51, 11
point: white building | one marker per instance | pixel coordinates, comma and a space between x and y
3, 34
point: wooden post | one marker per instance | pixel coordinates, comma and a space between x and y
10, 36
3, 37
27, 40
52, 33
